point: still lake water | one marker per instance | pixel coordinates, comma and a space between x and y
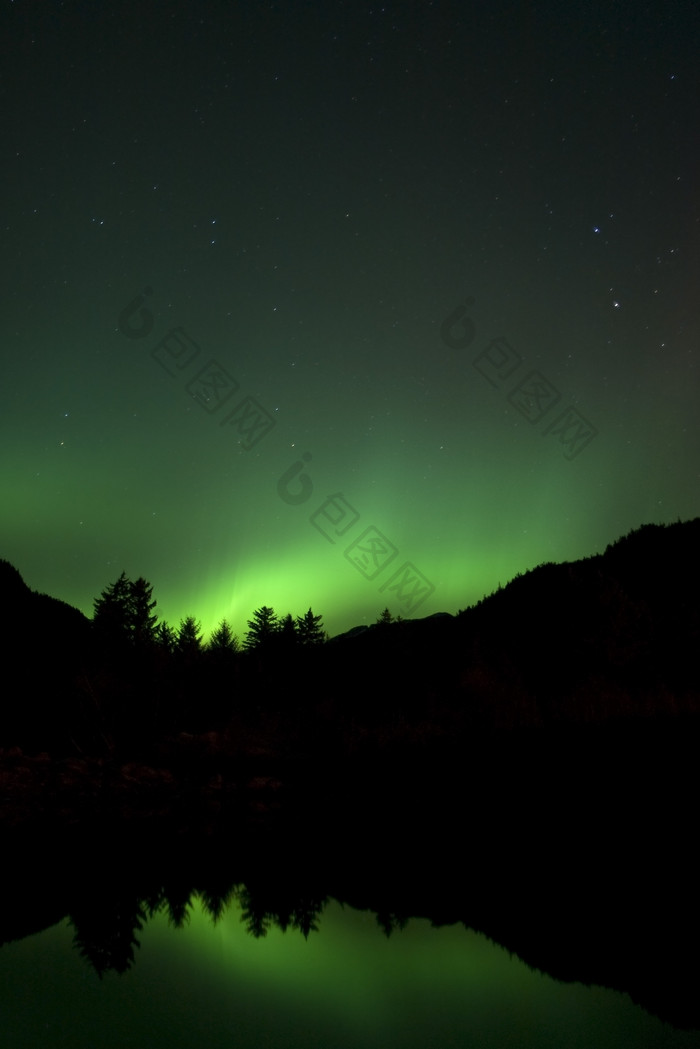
347, 985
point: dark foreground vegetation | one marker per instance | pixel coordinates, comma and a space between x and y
527, 767
609, 637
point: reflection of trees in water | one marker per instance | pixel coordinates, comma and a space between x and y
177, 904
105, 935
216, 899
262, 910
559, 745
389, 922
590, 931
106, 928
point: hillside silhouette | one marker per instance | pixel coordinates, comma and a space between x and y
527, 765
610, 636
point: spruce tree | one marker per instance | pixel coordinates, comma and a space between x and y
112, 613
142, 621
261, 629
223, 639
189, 637
310, 630
123, 613
164, 637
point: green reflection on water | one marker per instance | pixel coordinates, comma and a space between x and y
347, 985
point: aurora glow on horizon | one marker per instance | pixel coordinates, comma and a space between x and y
346, 985
309, 195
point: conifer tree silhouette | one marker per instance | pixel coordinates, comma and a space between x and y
142, 619
261, 629
189, 637
123, 613
310, 629
223, 639
111, 616
165, 638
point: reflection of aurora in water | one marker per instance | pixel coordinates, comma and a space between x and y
347, 985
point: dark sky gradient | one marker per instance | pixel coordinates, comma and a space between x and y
309, 191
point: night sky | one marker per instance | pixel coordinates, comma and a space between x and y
343, 305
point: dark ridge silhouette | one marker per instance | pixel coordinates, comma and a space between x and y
528, 763
37, 625
12, 587
45, 642
609, 636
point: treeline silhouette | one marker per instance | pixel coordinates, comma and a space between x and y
125, 679
610, 636
578, 892
545, 737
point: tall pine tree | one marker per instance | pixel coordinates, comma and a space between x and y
111, 616
189, 637
223, 639
310, 630
123, 614
143, 621
261, 629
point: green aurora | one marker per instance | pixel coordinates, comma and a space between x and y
313, 219
345, 985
